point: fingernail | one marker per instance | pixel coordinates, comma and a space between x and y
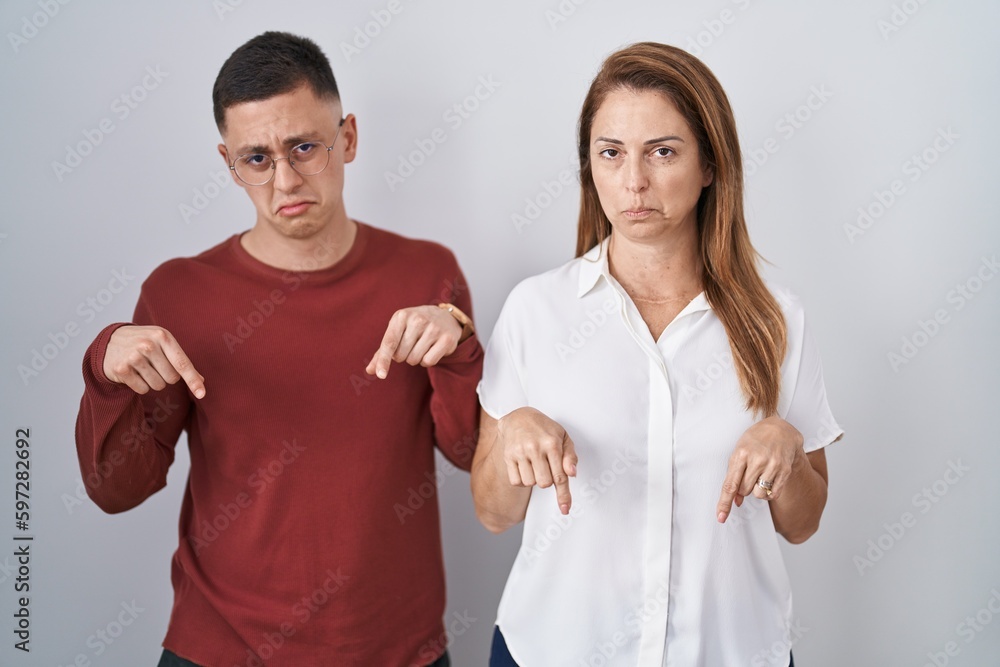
564, 508
572, 469
381, 373
721, 517
200, 393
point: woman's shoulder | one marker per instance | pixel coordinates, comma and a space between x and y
554, 283
793, 310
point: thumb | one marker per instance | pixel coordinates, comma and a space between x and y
569, 458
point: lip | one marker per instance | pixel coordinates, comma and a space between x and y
294, 208
637, 213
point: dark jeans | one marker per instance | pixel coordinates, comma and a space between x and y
169, 659
500, 656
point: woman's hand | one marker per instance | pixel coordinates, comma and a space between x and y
534, 450
761, 464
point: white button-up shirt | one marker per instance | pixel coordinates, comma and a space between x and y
640, 573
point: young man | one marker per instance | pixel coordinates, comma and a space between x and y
293, 549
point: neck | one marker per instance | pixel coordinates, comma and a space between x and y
662, 269
317, 251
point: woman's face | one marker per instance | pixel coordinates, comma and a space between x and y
646, 165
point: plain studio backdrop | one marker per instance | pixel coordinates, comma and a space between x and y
869, 134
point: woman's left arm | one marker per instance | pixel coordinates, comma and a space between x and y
770, 453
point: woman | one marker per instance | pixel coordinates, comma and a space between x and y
661, 364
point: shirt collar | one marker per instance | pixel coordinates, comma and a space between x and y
594, 266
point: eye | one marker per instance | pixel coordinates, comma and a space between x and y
256, 160
305, 150
609, 153
663, 151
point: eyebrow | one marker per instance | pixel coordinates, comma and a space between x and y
671, 137
288, 143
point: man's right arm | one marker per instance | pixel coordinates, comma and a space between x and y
132, 411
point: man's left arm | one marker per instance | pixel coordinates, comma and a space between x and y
442, 339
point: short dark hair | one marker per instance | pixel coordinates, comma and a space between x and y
271, 64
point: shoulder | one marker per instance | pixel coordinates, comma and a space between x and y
179, 271
399, 247
796, 333
789, 303
546, 293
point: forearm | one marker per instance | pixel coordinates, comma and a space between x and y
454, 403
118, 436
796, 513
499, 504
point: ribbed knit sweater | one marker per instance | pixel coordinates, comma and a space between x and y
309, 528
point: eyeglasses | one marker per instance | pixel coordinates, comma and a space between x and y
307, 158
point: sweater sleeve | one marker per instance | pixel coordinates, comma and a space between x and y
454, 403
125, 441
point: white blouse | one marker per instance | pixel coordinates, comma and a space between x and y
640, 573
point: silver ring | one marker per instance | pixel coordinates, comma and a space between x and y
767, 486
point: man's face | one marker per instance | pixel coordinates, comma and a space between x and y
293, 205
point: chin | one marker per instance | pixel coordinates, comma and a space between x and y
298, 228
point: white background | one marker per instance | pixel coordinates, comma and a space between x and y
890, 94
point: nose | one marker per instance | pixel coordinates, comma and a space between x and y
636, 178
286, 178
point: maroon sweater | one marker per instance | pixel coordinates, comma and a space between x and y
301, 539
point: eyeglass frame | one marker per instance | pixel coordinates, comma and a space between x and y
274, 160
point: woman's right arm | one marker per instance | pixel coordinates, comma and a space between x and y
522, 449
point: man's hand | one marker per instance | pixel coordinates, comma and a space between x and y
147, 358
421, 335
536, 451
765, 451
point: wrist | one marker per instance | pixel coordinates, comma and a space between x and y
463, 320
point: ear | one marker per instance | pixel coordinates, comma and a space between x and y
350, 134
225, 158
707, 176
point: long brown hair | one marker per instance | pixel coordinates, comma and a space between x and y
748, 311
